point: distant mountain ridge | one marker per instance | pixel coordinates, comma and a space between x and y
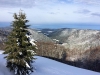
46, 31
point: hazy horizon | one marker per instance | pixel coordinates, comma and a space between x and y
57, 26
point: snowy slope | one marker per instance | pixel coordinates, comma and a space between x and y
3, 69
46, 66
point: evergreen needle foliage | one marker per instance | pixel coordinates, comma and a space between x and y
19, 50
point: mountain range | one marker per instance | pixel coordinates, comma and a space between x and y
77, 38
70, 38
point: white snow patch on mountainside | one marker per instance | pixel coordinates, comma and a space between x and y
45, 66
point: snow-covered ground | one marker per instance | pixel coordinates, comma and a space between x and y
45, 66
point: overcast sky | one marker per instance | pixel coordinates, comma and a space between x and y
53, 12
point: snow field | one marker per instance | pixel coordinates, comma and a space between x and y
45, 66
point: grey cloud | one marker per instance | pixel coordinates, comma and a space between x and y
83, 11
94, 2
16, 3
31, 3
96, 14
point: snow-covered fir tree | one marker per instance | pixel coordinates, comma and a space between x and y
20, 48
